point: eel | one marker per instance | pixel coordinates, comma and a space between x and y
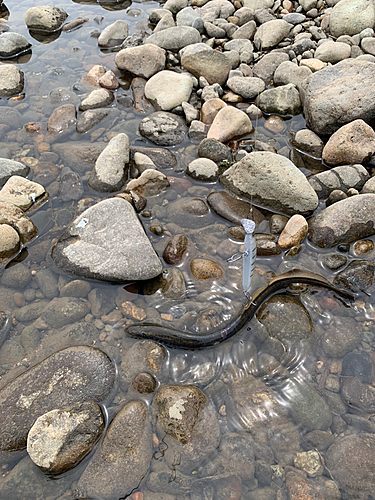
171, 337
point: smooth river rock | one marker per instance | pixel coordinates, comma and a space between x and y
339, 94
107, 242
168, 89
11, 80
175, 38
73, 375
11, 167
123, 457
349, 17
344, 222
271, 181
214, 66
143, 61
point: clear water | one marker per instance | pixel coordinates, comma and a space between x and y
62, 62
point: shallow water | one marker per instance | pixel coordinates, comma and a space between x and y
62, 62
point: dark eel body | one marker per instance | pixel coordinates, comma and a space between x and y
188, 340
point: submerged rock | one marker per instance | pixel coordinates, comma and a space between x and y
120, 251
73, 375
11, 80
272, 181
11, 167
61, 438
123, 458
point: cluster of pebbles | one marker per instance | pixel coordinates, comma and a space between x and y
284, 412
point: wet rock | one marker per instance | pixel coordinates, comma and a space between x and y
358, 275
163, 129
175, 249
144, 383
47, 282
288, 72
331, 97
356, 395
12, 44
11, 167
351, 17
9, 243
283, 100
271, 33
142, 162
109, 81
144, 60
170, 283
271, 181
61, 438
299, 487
71, 186
237, 455
277, 223
62, 311
309, 462
319, 439
97, 99
204, 269
266, 248
189, 213
22, 193
110, 170
166, 482
175, 38
15, 217
144, 356
358, 364
214, 66
161, 157
11, 80
343, 222
167, 89
221, 487
214, 150
91, 117
351, 460
178, 409
114, 34
75, 288
307, 407
123, 457
61, 119
341, 337
93, 75
233, 209
335, 261
119, 252
352, 143
294, 232
73, 375
343, 178
229, 123
79, 156
151, 182
46, 18
307, 141
267, 65
363, 246
203, 169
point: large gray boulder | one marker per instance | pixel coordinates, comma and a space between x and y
107, 242
349, 17
344, 222
272, 181
339, 94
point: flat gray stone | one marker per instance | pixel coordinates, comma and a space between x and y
11, 167
246, 86
88, 119
267, 65
339, 94
73, 375
214, 66
283, 100
12, 44
107, 242
97, 99
11, 80
123, 457
46, 18
271, 33
167, 89
332, 52
272, 181
114, 34
175, 38
110, 170
344, 222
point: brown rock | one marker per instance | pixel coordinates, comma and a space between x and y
174, 251
210, 109
205, 269
350, 144
294, 232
